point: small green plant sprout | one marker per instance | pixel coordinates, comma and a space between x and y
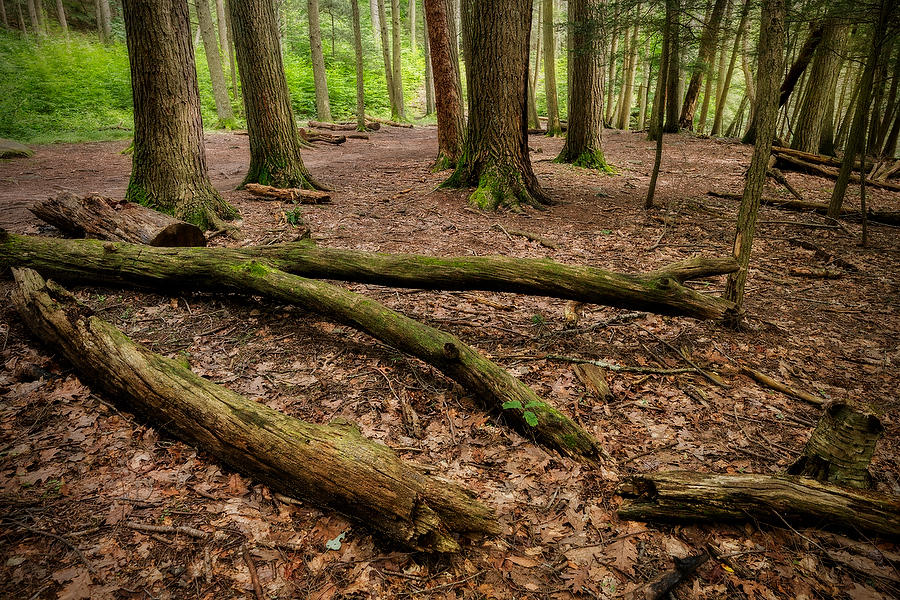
527, 414
294, 217
538, 319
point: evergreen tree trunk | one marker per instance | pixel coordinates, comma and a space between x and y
722, 96
411, 13
611, 68
496, 156
169, 161
323, 108
801, 61
360, 82
644, 96
890, 109
553, 126
4, 19
533, 119
214, 63
584, 135
704, 106
376, 20
386, 54
659, 102
768, 76
107, 20
400, 109
453, 20
749, 85
704, 61
228, 40
22, 25
60, 14
429, 70
626, 97
446, 84
33, 19
274, 141
823, 75
674, 62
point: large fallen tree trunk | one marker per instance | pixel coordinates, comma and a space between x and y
689, 496
290, 194
332, 465
787, 161
891, 218
117, 263
102, 218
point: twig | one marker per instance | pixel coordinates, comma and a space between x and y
189, 531
615, 367
54, 536
780, 387
254, 576
705, 374
451, 584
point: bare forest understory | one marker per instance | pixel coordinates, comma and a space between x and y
98, 504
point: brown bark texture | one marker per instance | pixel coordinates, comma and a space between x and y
553, 126
358, 54
323, 108
214, 62
451, 126
702, 67
331, 465
169, 171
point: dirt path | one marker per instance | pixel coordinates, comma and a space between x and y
73, 464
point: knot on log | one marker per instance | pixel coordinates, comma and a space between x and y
109, 246
451, 352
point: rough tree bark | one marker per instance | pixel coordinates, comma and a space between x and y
659, 103
323, 108
722, 95
117, 262
674, 62
274, 142
360, 83
169, 162
496, 159
429, 71
584, 136
804, 56
331, 465
411, 14
399, 114
60, 14
554, 128
628, 73
446, 83
381, 22
214, 63
106, 14
768, 70
702, 67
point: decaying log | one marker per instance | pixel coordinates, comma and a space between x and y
789, 161
594, 380
319, 136
809, 157
389, 123
778, 176
889, 217
841, 447
291, 194
332, 465
102, 218
119, 263
689, 496
660, 587
371, 125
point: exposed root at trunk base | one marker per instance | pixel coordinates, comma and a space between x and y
589, 159
499, 188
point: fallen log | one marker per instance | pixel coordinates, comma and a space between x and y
119, 263
319, 136
821, 159
371, 125
780, 387
389, 123
103, 218
331, 465
660, 587
786, 160
291, 194
689, 496
889, 217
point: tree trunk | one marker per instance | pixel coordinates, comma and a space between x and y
105, 219
429, 70
169, 162
22, 25
33, 18
229, 40
644, 96
554, 128
411, 13
5, 20
323, 108
536, 34
496, 156
376, 20
722, 96
659, 102
584, 136
674, 63
360, 83
60, 14
769, 69
749, 85
386, 55
107, 21
823, 78
704, 61
446, 83
331, 465
628, 80
611, 66
274, 142
892, 107
855, 141
491, 384
214, 63
687, 496
397, 75
804, 56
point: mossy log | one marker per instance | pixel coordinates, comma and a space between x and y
841, 447
331, 465
88, 261
103, 218
689, 496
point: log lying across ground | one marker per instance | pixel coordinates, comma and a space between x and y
291, 194
102, 218
370, 126
881, 216
89, 261
791, 161
689, 496
332, 465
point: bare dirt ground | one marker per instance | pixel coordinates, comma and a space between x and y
77, 472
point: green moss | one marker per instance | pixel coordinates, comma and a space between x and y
590, 159
442, 163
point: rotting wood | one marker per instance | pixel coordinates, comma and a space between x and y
778, 176
292, 194
370, 126
787, 160
660, 587
332, 465
389, 122
320, 136
780, 387
119, 263
690, 496
660, 291
889, 217
594, 380
103, 218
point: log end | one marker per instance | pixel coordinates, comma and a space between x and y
181, 235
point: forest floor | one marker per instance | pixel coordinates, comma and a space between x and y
76, 473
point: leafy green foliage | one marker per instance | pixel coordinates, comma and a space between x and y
294, 216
